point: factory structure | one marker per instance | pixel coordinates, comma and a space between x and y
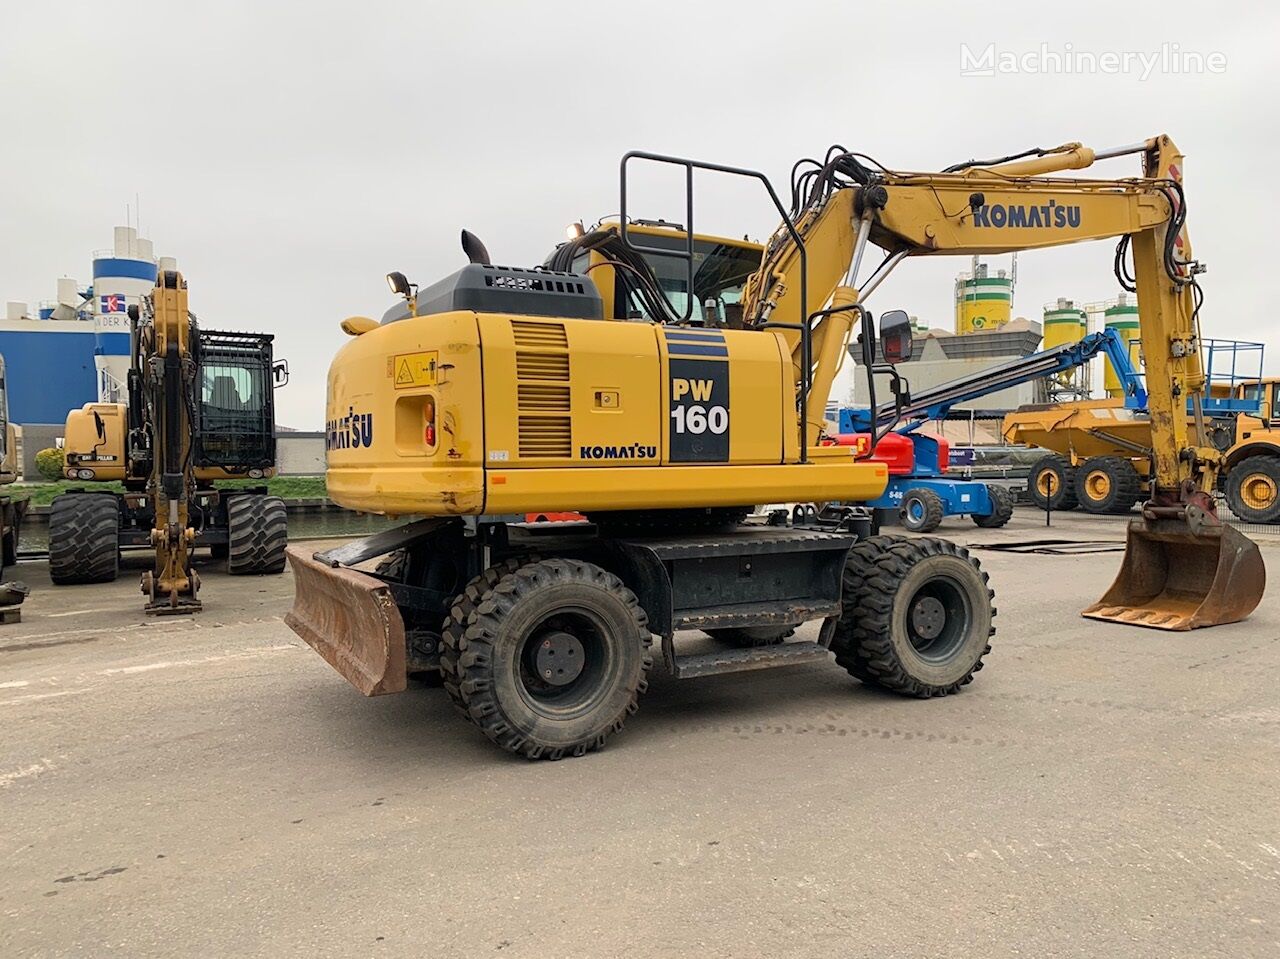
74, 349
986, 335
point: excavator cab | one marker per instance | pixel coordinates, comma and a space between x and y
235, 420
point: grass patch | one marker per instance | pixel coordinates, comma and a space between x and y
286, 487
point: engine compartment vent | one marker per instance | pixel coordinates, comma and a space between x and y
545, 436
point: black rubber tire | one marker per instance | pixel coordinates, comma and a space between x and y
875, 640
1063, 496
1123, 485
257, 534
648, 522
1236, 478
920, 510
1001, 507
453, 632
746, 637
84, 539
498, 689
9, 548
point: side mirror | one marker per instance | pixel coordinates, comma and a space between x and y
280, 372
895, 336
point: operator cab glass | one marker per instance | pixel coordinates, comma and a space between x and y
720, 272
235, 401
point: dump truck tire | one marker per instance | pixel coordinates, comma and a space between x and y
1001, 508
1253, 489
746, 637
1052, 483
555, 659
1107, 485
453, 633
257, 534
84, 539
921, 510
917, 616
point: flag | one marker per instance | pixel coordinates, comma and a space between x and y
112, 303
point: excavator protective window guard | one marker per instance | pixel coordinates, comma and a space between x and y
687, 254
235, 421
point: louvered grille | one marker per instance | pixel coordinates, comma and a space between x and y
542, 377
540, 396
542, 366
539, 335
545, 436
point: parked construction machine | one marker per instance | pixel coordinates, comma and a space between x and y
920, 492
1100, 450
660, 381
11, 510
200, 409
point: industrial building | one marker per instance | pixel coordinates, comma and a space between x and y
74, 349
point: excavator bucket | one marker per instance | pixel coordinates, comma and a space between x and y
1176, 576
351, 620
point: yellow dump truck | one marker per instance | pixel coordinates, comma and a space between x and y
1100, 453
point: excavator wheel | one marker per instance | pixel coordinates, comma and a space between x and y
917, 616
921, 510
1107, 485
453, 633
257, 534
84, 539
751, 636
1001, 508
555, 658
1052, 483
1253, 489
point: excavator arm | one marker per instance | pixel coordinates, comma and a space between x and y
1183, 567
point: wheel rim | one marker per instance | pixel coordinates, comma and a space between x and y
1097, 485
939, 618
915, 510
1047, 483
564, 662
1259, 491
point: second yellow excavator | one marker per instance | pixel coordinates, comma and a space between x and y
661, 381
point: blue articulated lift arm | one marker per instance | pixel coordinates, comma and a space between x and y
936, 402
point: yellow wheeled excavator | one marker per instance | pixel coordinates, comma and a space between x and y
200, 409
659, 381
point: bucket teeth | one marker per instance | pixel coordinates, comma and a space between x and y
1177, 579
350, 619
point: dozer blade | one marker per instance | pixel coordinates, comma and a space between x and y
1175, 578
351, 620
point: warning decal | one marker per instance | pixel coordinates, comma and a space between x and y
415, 369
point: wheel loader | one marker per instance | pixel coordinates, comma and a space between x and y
659, 381
200, 409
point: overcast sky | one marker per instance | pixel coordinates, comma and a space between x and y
289, 155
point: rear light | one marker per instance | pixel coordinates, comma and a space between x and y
83, 474
429, 422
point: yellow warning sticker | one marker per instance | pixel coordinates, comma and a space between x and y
415, 369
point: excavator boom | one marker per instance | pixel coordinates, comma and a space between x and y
1183, 567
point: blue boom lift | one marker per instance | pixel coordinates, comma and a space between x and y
924, 495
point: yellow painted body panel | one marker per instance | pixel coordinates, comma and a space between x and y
83, 450
544, 414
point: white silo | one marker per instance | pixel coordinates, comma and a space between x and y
121, 277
